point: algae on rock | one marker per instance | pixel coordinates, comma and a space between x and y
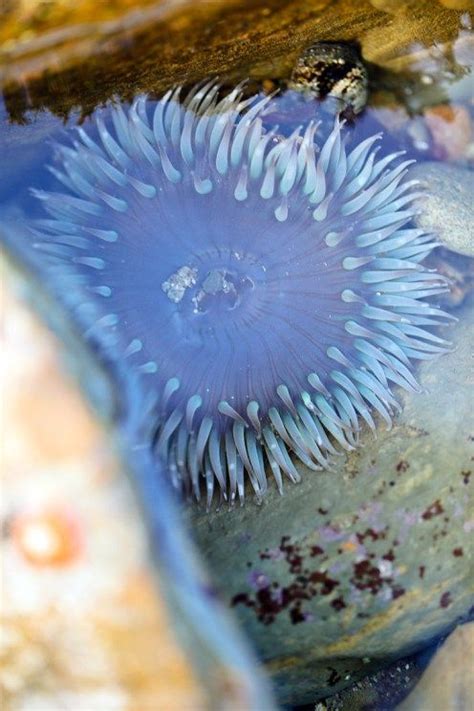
368, 561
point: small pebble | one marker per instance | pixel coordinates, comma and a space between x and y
451, 131
447, 207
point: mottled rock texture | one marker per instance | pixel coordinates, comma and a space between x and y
367, 561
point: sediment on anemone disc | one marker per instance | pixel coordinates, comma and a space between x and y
269, 288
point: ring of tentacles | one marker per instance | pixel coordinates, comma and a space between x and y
270, 288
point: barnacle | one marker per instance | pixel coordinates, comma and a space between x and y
332, 69
269, 288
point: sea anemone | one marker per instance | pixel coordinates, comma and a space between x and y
270, 289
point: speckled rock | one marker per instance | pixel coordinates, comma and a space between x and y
368, 561
448, 207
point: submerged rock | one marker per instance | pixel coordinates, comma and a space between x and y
364, 563
380, 691
447, 209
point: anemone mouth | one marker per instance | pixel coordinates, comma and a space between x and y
270, 289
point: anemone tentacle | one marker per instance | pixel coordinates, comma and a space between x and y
271, 289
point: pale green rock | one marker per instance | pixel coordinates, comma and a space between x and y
384, 535
447, 209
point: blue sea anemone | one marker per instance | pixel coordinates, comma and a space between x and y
270, 289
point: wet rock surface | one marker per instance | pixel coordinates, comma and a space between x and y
447, 209
365, 562
437, 678
379, 691
78, 57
